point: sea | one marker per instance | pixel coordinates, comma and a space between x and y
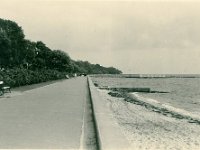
180, 93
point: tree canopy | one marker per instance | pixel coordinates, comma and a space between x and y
16, 51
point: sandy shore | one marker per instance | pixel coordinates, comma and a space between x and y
145, 129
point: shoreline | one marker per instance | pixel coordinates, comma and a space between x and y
148, 124
145, 129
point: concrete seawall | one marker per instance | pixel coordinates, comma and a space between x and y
109, 135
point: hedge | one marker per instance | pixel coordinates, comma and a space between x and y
19, 76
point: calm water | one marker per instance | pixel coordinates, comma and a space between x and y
184, 93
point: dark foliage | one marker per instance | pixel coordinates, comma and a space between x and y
27, 62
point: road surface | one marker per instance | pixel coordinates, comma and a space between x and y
47, 117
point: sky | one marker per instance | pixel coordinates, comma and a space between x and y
153, 37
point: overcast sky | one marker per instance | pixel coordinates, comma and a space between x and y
136, 37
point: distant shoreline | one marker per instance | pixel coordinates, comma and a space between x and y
150, 75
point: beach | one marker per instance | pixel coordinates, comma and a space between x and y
147, 129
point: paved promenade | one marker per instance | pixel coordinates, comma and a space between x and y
46, 117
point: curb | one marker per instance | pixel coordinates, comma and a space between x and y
109, 135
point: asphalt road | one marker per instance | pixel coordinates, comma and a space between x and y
47, 117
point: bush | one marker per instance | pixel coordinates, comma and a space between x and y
19, 76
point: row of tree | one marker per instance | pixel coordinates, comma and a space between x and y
18, 52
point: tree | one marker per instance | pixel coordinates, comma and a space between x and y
61, 61
5, 50
12, 40
17, 52
30, 53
